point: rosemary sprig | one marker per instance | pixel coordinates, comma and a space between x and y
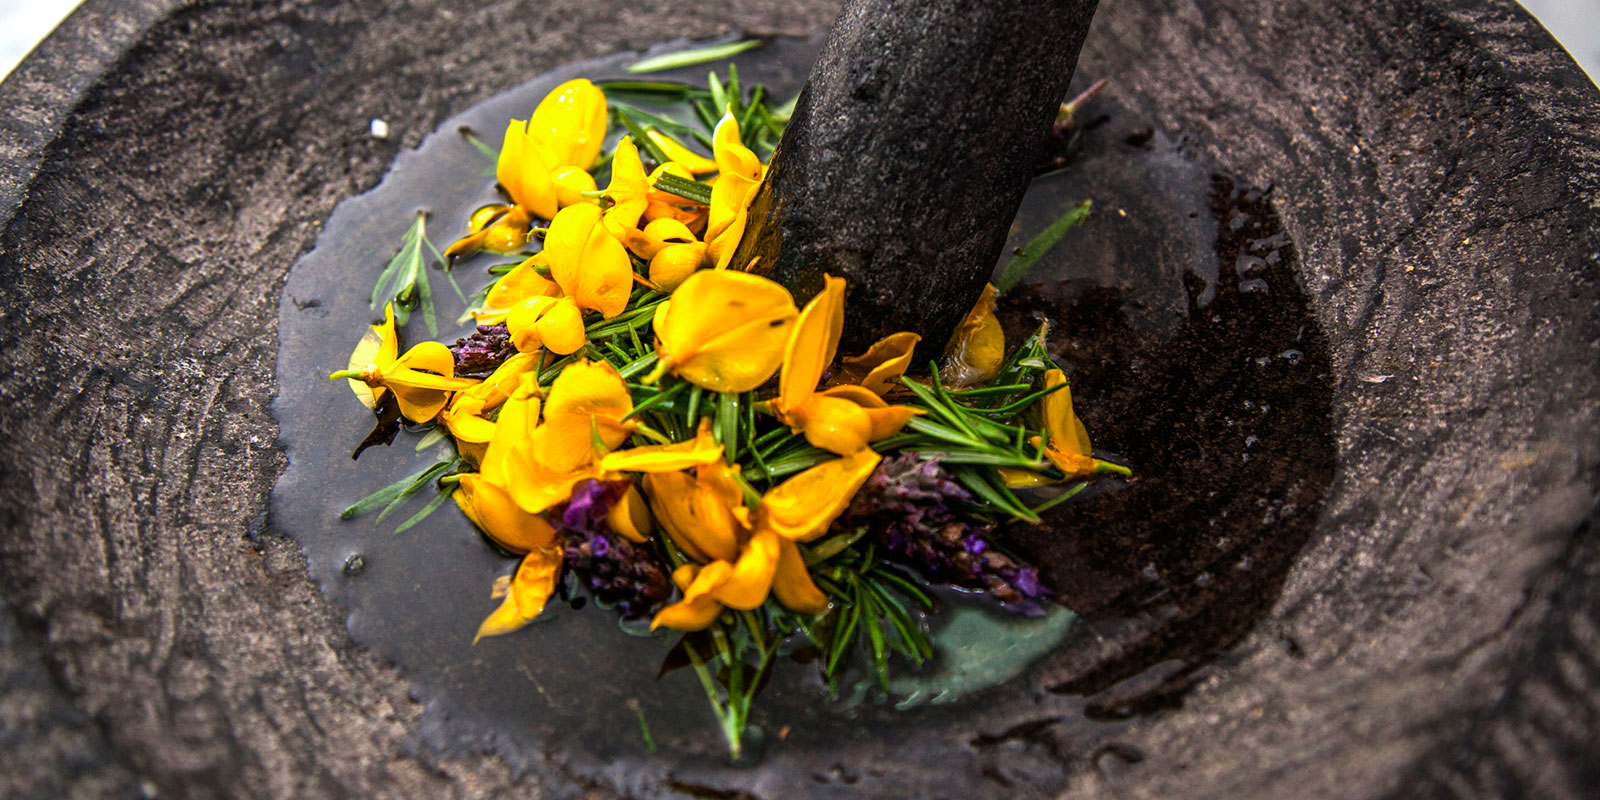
1036, 247
404, 282
390, 497
688, 58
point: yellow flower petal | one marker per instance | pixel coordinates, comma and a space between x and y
750, 580
727, 217
679, 154
518, 418
1068, 446
521, 283
505, 379
570, 123
977, 348
700, 451
732, 157
570, 184
630, 516
587, 262
491, 508
629, 186
530, 588
725, 331
697, 610
839, 426
375, 351
422, 380
585, 399
524, 171
886, 420
802, 507
792, 584
673, 264
535, 487
699, 520
812, 344
879, 369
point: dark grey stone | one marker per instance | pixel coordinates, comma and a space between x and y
908, 153
1436, 163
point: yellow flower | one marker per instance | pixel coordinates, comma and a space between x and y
739, 177
743, 565
553, 323
629, 190
842, 419
542, 166
521, 283
673, 264
742, 583
666, 205
570, 123
630, 517
464, 417
421, 380
671, 248
978, 346
724, 331
496, 228
801, 508
587, 261
585, 410
792, 584
1068, 447
704, 513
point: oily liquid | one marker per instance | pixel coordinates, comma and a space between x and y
1192, 355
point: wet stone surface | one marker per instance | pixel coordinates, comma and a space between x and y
1164, 349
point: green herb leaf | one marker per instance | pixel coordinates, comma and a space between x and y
688, 58
1019, 264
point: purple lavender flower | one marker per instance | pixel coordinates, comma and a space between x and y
479, 354
617, 571
909, 505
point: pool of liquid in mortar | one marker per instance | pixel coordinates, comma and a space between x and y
1179, 317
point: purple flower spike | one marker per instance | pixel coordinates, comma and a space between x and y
908, 505
618, 572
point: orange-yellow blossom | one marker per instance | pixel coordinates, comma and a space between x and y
526, 594
724, 331
552, 323
378, 348
739, 177
543, 165
705, 517
1068, 446
801, 508
842, 419
589, 264
421, 379
485, 499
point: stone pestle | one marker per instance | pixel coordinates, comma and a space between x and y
908, 155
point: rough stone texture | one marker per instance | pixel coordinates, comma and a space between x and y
923, 118
1437, 163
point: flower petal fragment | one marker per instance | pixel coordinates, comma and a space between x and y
530, 588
